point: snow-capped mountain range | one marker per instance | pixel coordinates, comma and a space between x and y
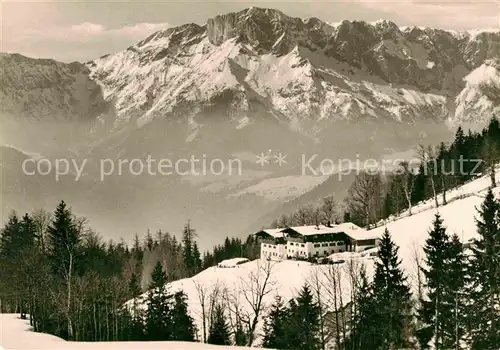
243, 83
305, 72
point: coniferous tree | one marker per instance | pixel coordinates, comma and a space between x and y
304, 322
461, 156
453, 312
188, 240
64, 238
149, 241
240, 334
491, 148
136, 320
364, 330
182, 323
196, 258
219, 333
444, 170
17, 245
158, 316
432, 313
392, 307
420, 186
276, 326
26, 261
484, 272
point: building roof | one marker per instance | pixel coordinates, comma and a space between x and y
312, 230
354, 231
348, 228
273, 232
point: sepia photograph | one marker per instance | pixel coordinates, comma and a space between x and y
289, 175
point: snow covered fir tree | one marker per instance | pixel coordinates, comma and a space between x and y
199, 180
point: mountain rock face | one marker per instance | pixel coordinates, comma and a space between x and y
44, 89
48, 106
304, 72
481, 95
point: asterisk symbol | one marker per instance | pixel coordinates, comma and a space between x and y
263, 159
280, 159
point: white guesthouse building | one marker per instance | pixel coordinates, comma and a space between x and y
314, 241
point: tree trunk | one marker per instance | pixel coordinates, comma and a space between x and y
436, 322
443, 186
95, 322
204, 316
457, 346
433, 185
107, 322
336, 310
68, 306
492, 176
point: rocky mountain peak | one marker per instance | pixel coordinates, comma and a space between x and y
259, 27
45, 89
173, 35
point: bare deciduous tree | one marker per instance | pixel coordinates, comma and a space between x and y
407, 182
364, 200
491, 157
41, 220
317, 286
329, 209
333, 290
353, 270
305, 216
254, 289
284, 221
208, 297
427, 156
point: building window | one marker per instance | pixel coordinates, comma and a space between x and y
325, 245
302, 245
332, 244
316, 245
340, 243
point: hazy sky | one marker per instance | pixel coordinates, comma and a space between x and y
84, 30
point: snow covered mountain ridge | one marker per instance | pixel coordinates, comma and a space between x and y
305, 72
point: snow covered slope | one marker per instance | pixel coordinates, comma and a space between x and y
17, 334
